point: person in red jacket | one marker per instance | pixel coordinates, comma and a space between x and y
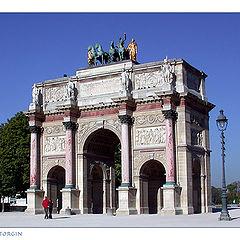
45, 205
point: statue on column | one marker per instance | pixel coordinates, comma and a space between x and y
35, 95
70, 90
125, 83
167, 71
132, 48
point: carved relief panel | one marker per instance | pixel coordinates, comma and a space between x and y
54, 140
150, 130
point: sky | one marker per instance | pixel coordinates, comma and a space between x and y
35, 47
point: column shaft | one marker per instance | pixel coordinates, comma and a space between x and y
34, 157
126, 120
170, 116
125, 154
70, 127
33, 161
170, 176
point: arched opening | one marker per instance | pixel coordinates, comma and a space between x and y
152, 178
196, 179
100, 152
55, 183
97, 190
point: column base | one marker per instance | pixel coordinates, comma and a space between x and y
70, 201
34, 201
224, 216
127, 201
171, 200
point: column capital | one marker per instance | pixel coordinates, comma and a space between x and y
170, 114
125, 119
69, 125
35, 129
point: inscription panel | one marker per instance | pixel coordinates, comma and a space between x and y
100, 87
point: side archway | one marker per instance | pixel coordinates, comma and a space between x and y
55, 183
152, 178
196, 184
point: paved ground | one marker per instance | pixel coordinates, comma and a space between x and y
20, 220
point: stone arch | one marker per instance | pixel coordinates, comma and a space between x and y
142, 158
83, 137
98, 152
55, 183
152, 176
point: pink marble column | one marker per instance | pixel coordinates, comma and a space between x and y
70, 127
126, 120
34, 157
170, 116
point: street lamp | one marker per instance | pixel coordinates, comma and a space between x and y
222, 123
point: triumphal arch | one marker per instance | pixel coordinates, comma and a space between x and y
156, 114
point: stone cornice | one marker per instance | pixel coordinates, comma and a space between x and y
197, 102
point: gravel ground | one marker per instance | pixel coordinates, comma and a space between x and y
207, 220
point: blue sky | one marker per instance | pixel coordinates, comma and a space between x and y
37, 47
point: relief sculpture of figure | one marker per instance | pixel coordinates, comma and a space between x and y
132, 48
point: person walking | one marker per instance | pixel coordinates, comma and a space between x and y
50, 208
45, 206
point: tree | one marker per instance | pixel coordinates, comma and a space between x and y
117, 156
233, 194
216, 195
14, 156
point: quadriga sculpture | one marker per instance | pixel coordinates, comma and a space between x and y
115, 54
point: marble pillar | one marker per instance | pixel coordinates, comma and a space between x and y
70, 195
34, 194
126, 193
171, 191
34, 157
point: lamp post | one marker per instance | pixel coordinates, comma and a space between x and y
222, 123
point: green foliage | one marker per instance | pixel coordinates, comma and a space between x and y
117, 156
216, 195
14, 156
233, 194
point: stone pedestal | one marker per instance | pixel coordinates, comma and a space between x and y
70, 200
127, 201
171, 200
34, 201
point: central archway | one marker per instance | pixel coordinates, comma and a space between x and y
100, 153
152, 178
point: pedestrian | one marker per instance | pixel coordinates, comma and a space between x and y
45, 206
50, 208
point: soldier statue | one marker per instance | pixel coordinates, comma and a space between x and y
132, 48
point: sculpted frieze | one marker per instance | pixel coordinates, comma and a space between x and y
165, 75
150, 136
149, 119
55, 94
54, 130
